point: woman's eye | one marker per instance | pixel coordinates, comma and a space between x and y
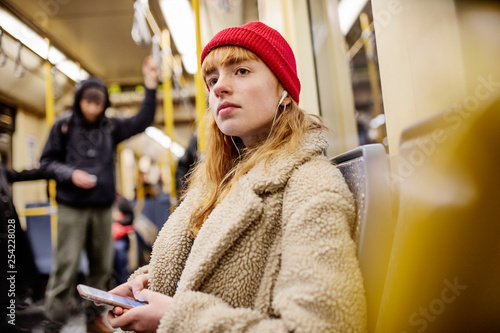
211, 81
242, 71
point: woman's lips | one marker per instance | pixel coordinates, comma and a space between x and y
226, 108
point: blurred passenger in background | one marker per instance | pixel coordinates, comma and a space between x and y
130, 235
123, 224
79, 155
15, 248
261, 241
185, 165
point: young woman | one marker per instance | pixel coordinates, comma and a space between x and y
261, 241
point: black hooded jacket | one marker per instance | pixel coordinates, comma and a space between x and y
76, 144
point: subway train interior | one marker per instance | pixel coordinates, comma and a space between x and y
410, 92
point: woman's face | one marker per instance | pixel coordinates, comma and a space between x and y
243, 99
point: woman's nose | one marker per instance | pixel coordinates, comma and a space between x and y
222, 86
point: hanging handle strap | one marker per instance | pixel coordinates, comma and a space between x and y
19, 69
140, 30
157, 54
3, 55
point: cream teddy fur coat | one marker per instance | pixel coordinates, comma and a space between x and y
274, 256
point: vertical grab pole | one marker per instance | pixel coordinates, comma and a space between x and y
50, 118
168, 108
372, 68
200, 89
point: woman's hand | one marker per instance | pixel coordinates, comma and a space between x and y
132, 288
129, 289
144, 318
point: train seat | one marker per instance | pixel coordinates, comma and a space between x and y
156, 209
443, 273
38, 231
366, 171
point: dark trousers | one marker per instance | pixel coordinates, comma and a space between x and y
78, 229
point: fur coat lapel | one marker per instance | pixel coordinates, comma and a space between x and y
222, 228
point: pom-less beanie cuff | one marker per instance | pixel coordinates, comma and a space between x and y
268, 45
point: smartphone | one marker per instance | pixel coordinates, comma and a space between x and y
104, 297
92, 178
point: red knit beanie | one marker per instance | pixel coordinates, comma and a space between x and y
268, 45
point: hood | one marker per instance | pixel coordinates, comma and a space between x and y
81, 86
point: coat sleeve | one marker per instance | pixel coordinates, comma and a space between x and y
127, 127
52, 161
24, 175
319, 286
141, 270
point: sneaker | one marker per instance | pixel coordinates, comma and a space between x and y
24, 303
51, 326
97, 325
48, 330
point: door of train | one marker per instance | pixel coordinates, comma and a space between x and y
7, 126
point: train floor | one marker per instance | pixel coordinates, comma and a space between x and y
30, 316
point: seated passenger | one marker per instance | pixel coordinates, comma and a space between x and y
16, 249
123, 223
261, 241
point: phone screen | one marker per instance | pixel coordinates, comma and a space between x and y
105, 297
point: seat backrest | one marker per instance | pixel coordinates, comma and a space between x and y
157, 209
133, 251
38, 230
444, 268
366, 171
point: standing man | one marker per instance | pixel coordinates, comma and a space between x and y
79, 155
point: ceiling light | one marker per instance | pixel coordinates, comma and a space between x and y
25, 35
40, 46
180, 20
163, 139
83, 75
349, 11
55, 56
72, 70
190, 62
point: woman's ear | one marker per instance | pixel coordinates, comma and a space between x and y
286, 101
285, 98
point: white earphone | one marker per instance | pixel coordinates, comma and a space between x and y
283, 95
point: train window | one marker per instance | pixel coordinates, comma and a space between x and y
360, 46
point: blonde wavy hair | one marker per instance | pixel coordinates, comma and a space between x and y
222, 164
